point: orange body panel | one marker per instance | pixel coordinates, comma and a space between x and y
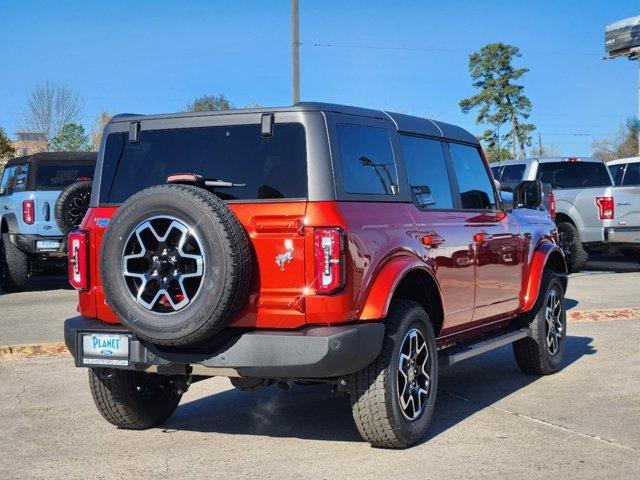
479, 282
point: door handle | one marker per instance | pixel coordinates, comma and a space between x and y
431, 240
482, 237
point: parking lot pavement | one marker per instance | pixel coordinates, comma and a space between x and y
38, 314
491, 421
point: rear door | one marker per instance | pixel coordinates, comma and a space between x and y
493, 235
437, 214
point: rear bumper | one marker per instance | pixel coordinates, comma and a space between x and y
623, 235
314, 352
29, 244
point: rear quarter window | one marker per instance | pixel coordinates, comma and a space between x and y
269, 167
366, 155
574, 174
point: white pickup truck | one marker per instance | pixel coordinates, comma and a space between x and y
591, 213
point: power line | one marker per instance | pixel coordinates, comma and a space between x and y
433, 49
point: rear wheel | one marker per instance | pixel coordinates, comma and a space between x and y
542, 352
393, 398
133, 400
14, 266
570, 243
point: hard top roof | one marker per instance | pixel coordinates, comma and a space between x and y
404, 123
55, 157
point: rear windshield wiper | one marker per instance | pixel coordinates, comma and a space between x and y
194, 179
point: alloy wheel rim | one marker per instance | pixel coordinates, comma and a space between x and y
414, 365
553, 317
163, 264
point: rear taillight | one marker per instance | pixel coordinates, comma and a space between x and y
28, 212
552, 205
329, 252
605, 208
78, 260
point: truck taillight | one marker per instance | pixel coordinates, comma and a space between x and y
28, 212
78, 260
605, 208
552, 205
329, 252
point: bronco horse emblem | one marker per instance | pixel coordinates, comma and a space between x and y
286, 257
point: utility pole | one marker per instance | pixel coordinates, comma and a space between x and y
539, 144
295, 51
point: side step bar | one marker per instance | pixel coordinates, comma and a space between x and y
457, 353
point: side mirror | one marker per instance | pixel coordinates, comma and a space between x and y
528, 194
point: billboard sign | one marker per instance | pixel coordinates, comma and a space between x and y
623, 36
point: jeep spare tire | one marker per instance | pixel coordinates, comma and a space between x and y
72, 205
175, 264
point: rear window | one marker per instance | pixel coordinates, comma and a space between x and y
574, 174
57, 177
269, 167
632, 176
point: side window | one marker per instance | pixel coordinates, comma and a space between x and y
367, 160
20, 178
476, 189
7, 177
497, 172
632, 177
427, 172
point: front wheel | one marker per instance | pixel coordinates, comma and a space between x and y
133, 400
542, 352
392, 399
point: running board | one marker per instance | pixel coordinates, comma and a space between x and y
461, 352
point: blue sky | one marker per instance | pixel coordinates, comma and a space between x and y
408, 56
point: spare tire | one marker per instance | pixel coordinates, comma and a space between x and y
175, 264
72, 205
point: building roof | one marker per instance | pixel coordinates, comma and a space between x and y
404, 123
55, 157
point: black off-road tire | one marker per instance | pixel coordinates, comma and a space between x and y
227, 273
532, 353
374, 390
72, 205
575, 253
133, 400
14, 266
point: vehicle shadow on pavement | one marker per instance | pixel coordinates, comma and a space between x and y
312, 412
44, 283
605, 263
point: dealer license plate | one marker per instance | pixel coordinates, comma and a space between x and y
47, 245
105, 349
